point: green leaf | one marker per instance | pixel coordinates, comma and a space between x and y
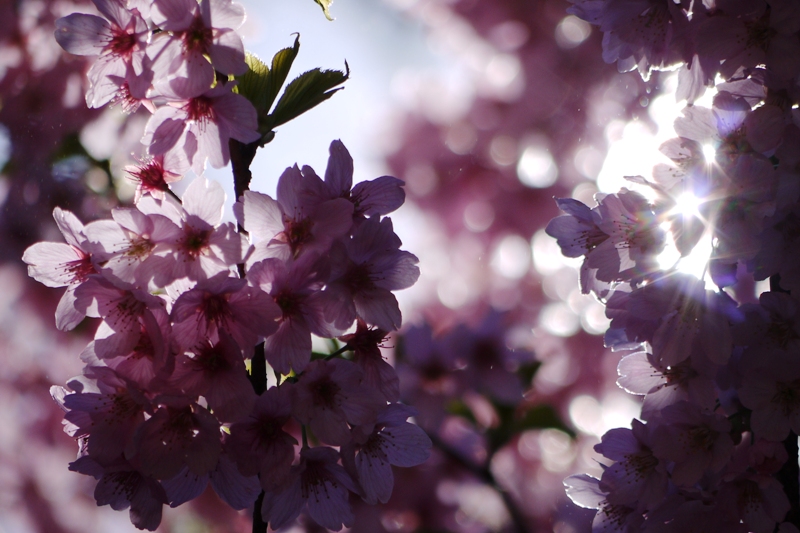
324, 4
541, 416
281, 64
458, 408
261, 84
305, 92
528, 371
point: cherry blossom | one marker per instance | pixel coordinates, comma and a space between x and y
317, 483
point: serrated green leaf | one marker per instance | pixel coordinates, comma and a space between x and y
253, 83
325, 4
281, 64
305, 92
261, 84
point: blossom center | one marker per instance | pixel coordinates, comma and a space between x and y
787, 396
151, 176
199, 109
122, 43
80, 269
195, 241
325, 393
198, 37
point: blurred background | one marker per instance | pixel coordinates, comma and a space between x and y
488, 110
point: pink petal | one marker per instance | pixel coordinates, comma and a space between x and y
375, 476
82, 34
163, 130
227, 53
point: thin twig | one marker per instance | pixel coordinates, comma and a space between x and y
485, 475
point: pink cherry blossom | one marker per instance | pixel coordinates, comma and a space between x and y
378, 374
259, 445
331, 394
179, 434
380, 196
154, 174
216, 371
107, 418
223, 303
120, 41
205, 246
121, 486
296, 223
193, 31
317, 483
698, 442
365, 270
295, 287
637, 478
374, 449
63, 265
132, 244
199, 127
586, 492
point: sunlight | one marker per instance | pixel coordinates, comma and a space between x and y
709, 153
688, 204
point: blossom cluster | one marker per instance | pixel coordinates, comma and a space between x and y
173, 57
174, 395
718, 368
165, 405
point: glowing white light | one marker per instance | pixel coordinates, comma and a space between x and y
536, 167
696, 263
688, 204
558, 319
709, 153
572, 31
512, 257
478, 216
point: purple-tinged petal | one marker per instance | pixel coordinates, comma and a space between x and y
67, 315
289, 348
261, 216
238, 491
379, 196
584, 491
375, 476
49, 263
82, 34
378, 307
184, 487
339, 173
173, 15
205, 199
227, 53
278, 509
71, 228
405, 445
164, 129
225, 14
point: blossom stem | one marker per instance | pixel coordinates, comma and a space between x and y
338, 352
789, 477
259, 526
485, 475
241, 157
258, 370
170, 192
